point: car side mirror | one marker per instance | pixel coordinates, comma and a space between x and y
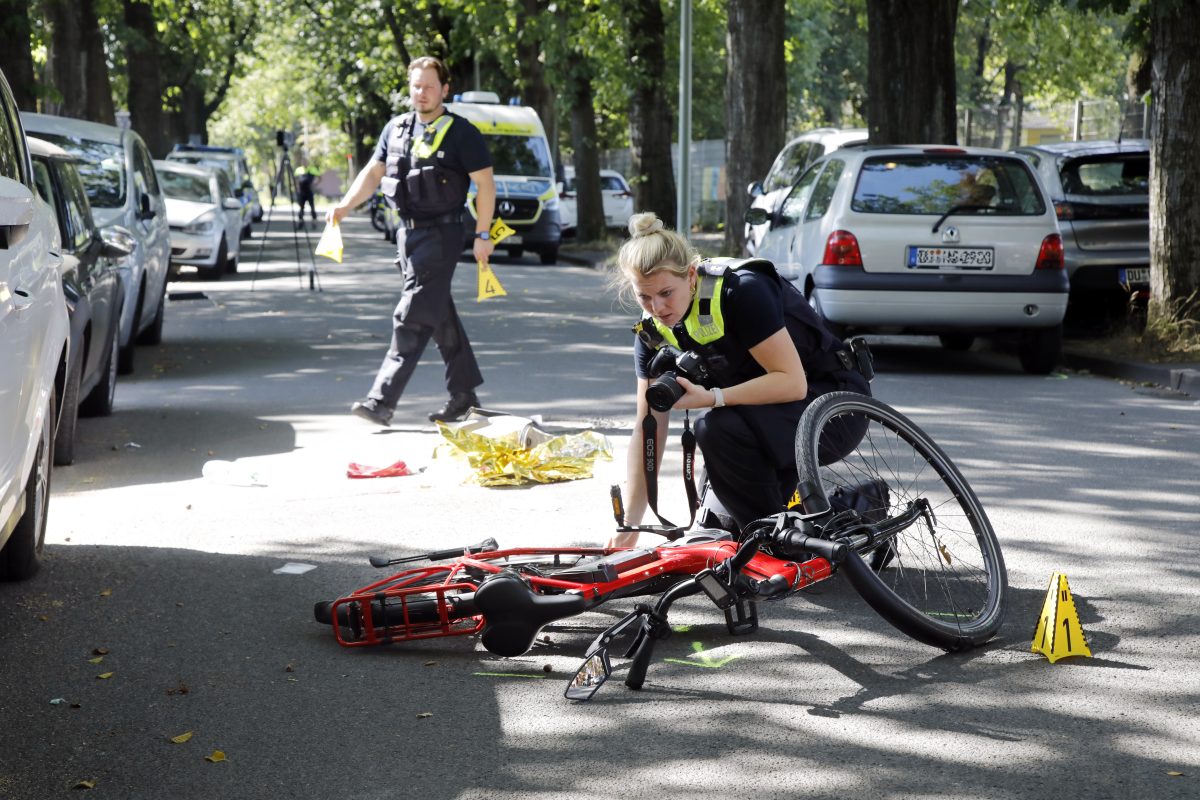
116, 242
231, 204
757, 216
755, 189
145, 211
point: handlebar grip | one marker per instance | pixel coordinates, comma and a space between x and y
379, 562
797, 541
774, 585
641, 662
743, 555
452, 552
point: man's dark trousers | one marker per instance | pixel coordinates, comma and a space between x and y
426, 258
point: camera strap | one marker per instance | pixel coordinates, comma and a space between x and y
650, 465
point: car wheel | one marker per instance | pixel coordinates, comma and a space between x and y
99, 402
958, 342
215, 272
231, 266
549, 255
68, 416
153, 334
21, 557
515, 252
1040, 349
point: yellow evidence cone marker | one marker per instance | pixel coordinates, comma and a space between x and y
489, 284
1059, 633
330, 244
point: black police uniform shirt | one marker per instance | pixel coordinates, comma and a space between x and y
752, 306
464, 146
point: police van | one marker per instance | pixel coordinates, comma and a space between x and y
525, 194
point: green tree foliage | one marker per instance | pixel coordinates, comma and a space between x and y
826, 53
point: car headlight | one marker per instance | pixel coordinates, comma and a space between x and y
202, 224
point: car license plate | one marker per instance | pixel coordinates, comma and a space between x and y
1134, 275
951, 257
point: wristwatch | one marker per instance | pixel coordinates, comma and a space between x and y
485, 235
718, 398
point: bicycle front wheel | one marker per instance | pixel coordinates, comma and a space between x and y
941, 579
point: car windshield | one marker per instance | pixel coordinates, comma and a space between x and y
223, 164
524, 156
182, 186
1108, 175
101, 165
934, 183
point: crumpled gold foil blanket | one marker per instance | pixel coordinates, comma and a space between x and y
503, 461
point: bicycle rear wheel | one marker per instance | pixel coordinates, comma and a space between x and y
941, 580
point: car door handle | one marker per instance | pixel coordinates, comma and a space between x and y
21, 299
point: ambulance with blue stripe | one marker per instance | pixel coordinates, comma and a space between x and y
521, 157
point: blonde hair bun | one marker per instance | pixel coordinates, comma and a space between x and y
644, 224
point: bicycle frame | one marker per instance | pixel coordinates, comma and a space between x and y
450, 586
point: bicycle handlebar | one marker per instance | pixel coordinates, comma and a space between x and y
379, 562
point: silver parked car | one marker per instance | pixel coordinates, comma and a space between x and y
123, 190
205, 217
1101, 194
954, 241
792, 160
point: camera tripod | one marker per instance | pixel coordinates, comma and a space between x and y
284, 183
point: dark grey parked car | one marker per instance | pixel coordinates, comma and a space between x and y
1100, 192
93, 289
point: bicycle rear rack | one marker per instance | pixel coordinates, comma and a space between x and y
406, 614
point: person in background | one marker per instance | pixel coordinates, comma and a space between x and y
425, 163
306, 177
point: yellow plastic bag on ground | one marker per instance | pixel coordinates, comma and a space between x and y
330, 245
506, 450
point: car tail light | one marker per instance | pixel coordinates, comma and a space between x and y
1064, 210
1051, 254
841, 249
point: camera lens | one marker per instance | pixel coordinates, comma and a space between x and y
663, 393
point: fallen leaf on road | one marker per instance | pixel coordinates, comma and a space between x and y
58, 701
430, 663
425, 715
104, 676
95, 660
1175, 774
100, 651
181, 738
84, 785
106, 593
217, 755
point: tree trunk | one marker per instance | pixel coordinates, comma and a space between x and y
1005, 107
1137, 83
16, 58
143, 65
910, 71
1175, 174
755, 96
75, 63
1018, 113
531, 65
650, 117
589, 203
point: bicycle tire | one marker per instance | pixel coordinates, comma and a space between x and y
942, 580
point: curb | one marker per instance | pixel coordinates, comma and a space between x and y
1181, 379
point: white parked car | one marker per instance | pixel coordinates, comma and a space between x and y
33, 320
231, 160
614, 191
205, 217
953, 241
123, 190
792, 160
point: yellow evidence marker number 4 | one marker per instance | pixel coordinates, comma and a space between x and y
1058, 632
489, 284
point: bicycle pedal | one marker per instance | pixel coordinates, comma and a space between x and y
742, 618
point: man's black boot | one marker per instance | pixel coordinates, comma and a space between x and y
372, 411
456, 407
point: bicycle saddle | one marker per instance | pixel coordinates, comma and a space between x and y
513, 614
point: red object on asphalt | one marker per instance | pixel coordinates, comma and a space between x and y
363, 471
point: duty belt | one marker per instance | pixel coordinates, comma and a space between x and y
441, 219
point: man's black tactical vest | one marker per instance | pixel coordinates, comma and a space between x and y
703, 329
415, 177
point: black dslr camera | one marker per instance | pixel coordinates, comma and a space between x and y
668, 364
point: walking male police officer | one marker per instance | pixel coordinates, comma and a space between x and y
425, 162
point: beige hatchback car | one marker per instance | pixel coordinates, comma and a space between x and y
954, 241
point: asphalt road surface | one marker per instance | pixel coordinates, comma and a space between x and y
159, 611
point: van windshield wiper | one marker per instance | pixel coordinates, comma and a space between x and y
954, 209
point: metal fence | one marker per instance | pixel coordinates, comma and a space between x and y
707, 169
1080, 120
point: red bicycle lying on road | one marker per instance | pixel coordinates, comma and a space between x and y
895, 515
